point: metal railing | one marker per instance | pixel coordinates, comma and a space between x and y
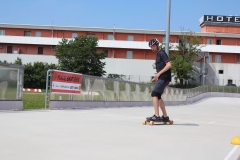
106, 89
11, 81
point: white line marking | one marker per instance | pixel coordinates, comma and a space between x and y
231, 152
212, 122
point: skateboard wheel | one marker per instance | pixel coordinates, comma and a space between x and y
151, 123
144, 122
170, 122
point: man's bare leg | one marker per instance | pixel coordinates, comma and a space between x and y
156, 104
162, 106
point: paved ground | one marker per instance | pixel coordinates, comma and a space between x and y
201, 131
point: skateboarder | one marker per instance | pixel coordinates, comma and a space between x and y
162, 79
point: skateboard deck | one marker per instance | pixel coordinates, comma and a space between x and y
145, 122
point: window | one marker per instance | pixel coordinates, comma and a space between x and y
180, 42
9, 49
1, 46
129, 54
209, 59
206, 71
229, 81
110, 37
74, 35
220, 71
106, 51
183, 43
130, 38
27, 33
2, 32
219, 42
40, 50
37, 34
164, 40
15, 52
90, 35
218, 58
209, 41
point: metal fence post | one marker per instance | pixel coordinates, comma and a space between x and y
104, 95
47, 81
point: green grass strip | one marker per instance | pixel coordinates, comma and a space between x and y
33, 100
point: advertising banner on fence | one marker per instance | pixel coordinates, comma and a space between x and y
66, 82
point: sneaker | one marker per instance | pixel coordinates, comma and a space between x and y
165, 119
154, 118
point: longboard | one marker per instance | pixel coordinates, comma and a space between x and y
145, 122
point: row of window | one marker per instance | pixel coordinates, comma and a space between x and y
10, 50
129, 54
217, 59
218, 41
38, 34
109, 37
28, 34
209, 41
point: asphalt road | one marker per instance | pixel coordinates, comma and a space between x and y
201, 131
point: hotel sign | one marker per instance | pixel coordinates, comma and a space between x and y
220, 19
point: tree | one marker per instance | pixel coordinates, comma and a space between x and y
4, 61
18, 61
183, 56
35, 75
116, 76
79, 55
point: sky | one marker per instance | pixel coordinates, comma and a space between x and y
128, 14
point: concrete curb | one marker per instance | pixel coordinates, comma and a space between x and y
11, 105
111, 104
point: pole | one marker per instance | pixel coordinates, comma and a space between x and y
168, 27
52, 29
114, 33
47, 81
203, 72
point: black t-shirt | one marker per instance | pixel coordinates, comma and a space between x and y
161, 61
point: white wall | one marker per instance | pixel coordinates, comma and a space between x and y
139, 70
230, 72
28, 58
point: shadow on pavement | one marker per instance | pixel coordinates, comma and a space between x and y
179, 124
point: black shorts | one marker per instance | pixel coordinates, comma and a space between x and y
160, 86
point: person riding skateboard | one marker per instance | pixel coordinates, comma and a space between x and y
161, 79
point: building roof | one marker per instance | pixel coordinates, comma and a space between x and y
116, 30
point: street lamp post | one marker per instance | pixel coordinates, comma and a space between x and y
168, 27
